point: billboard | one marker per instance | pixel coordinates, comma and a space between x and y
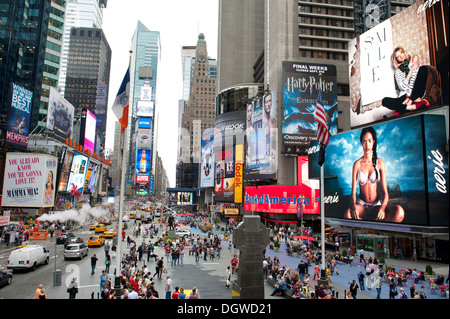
60, 115
224, 174
282, 199
144, 108
301, 85
207, 165
390, 74
142, 166
87, 129
228, 132
19, 115
144, 139
29, 180
261, 133
65, 171
395, 172
184, 198
92, 176
78, 171
144, 123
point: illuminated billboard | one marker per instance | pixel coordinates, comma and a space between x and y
394, 172
78, 172
207, 164
261, 133
286, 199
87, 129
60, 115
19, 115
399, 66
301, 85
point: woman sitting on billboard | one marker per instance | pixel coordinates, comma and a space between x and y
417, 84
368, 171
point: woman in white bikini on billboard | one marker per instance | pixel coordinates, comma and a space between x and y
368, 171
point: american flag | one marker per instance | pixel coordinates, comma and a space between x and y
323, 135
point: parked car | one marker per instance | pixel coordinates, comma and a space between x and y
28, 257
73, 240
5, 277
61, 239
96, 240
75, 251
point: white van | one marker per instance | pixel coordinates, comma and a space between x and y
28, 257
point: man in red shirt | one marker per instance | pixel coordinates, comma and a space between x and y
234, 263
176, 293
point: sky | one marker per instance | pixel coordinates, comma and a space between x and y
179, 23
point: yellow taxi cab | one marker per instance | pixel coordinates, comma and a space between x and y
93, 226
100, 228
96, 240
109, 233
132, 215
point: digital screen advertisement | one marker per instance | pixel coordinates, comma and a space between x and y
19, 115
207, 164
184, 198
78, 172
400, 66
301, 85
88, 126
261, 133
378, 173
60, 115
286, 199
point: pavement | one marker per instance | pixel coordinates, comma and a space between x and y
209, 276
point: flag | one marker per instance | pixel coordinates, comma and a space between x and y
121, 103
323, 135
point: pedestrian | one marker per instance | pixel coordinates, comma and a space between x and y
228, 277
42, 294
106, 248
422, 293
412, 290
302, 270
361, 255
93, 263
354, 289
39, 290
402, 294
168, 287
73, 288
377, 286
361, 279
194, 293
107, 263
316, 271
103, 279
182, 294
234, 263
392, 289
113, 251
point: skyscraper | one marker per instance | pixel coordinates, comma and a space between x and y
23, 34
79, 13
87, 79
198, 113
144, 61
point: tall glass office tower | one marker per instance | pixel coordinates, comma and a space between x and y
79, 14
145, 57
24, 26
